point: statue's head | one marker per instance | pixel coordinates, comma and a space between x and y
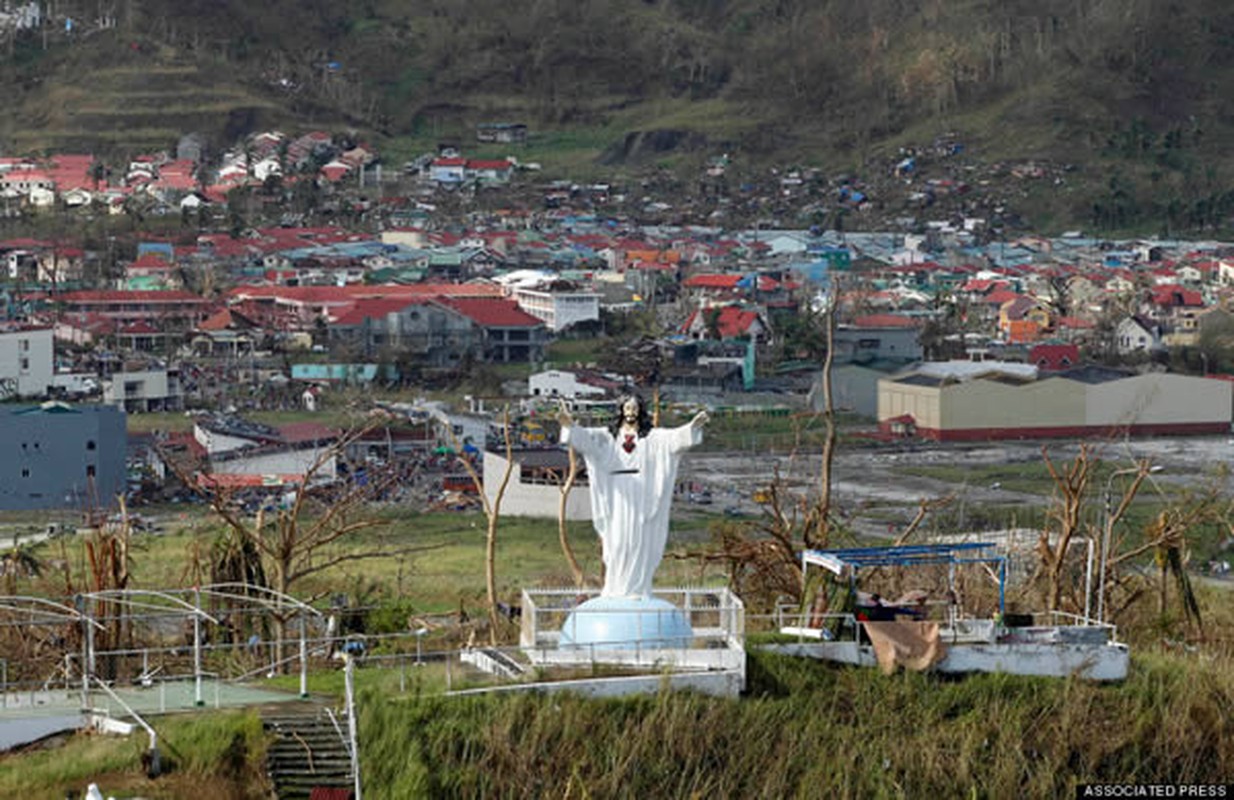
632, 411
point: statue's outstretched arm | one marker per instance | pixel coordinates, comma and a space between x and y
564, 417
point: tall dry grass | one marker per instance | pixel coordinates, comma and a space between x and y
808, 729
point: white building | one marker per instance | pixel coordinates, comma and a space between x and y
560, 383
535, 484
26, 362
1134, 335
144, 391
558, 310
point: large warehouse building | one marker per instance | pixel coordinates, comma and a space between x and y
973, 401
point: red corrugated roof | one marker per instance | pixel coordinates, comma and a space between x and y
1054, 356
138, 328
1175, 296
732, 322
711, 281
294, 432
1000, 296
375, 307
347, 294
131, 296
492, 313
25, 176
226, 319
223, 480
150, 261
885, 321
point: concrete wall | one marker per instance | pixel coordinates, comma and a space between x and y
26, 363
559, 383
531, 500
559, 310
1155, 403
869, 344
1159, 399
51, 451
216, 442
989, 404
150, 389
921, 402
279, 462
853, 387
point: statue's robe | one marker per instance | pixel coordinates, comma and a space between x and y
631, 484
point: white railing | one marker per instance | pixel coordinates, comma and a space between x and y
716, 615
154, 737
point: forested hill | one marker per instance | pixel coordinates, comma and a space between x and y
1074, 80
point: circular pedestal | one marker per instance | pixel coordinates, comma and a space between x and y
625, 623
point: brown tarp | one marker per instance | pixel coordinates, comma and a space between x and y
909, 644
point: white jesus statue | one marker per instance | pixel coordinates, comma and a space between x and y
631, 468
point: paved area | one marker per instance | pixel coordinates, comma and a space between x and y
29, 716
158, 699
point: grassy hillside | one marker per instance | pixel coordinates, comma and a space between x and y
805, 729
213, 754
1130, 94
812, 730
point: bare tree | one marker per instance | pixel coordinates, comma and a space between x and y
565, 488
492, 513
1166, 538
1065, 517
924, 507
818, 530
306, 536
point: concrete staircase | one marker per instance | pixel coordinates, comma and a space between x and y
493, 661
307, 752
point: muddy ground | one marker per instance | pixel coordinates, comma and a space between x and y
873, 495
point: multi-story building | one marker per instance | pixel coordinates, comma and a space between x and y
26, 361
559, 310
62, 456
144, 391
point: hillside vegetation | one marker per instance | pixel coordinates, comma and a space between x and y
813, 730
1133, 87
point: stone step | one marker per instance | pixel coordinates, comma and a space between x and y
309, 782
318, 759
299, 725
316, 762
306, 751
342, 772
297, 750
308, 736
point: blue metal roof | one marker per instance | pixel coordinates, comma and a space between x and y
903, 555
853, 559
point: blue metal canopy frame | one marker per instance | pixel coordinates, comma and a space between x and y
855, 558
